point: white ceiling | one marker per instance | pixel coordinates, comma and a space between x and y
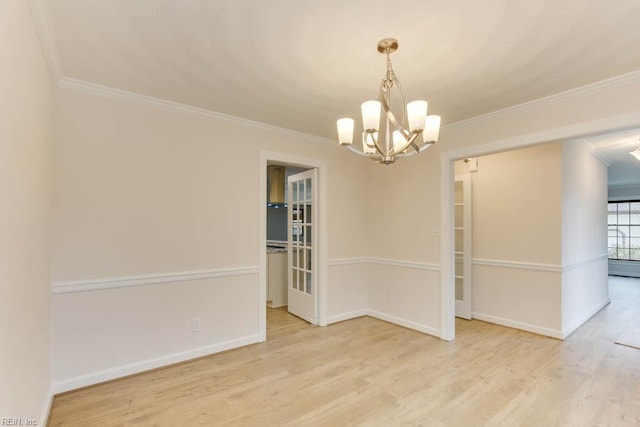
302, 64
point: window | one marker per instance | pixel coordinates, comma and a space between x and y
623, 220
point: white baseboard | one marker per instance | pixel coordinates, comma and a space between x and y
575, 325
387, 318
46, 409
146, 365
404, 322
346, 316
553, 333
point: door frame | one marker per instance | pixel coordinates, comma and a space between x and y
310, 163
447, 176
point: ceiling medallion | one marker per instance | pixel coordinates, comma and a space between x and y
399, 140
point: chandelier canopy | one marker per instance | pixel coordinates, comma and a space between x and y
401, 138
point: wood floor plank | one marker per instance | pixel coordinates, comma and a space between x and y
369, 372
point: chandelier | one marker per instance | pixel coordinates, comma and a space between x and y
401, 138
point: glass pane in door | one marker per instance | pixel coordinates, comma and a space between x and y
301, 234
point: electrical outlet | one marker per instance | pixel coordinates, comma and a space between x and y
195, 324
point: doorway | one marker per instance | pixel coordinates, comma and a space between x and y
306, 238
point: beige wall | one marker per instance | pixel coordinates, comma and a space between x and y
145, 191
402, 221
25, 90
539, 239
516, 232
517, 198
140, 190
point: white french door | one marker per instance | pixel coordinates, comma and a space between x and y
463, 255
302, 243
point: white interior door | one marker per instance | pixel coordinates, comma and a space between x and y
463, 255
302, 243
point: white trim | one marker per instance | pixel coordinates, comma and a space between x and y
42, 23
387, 318
337, 262
404, 322
150, 101
500, 263
323, 173
147, 279
447, 248
572, 131
146, 365
521, 265
46, 408
595, 152
583, 263
385, 261
575, 325
553, 333
556, 98
404, 264
347, 316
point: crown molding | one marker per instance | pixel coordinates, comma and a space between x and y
557, 98
136, 98
42, 22
593, 151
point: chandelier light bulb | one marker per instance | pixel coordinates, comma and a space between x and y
371, 115
416, 113
399, 141
368, 144
345, 131
431, 129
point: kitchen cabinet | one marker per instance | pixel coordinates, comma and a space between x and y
277, 279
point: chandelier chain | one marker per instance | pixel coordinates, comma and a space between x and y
390, 78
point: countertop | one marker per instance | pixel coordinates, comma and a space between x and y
276, 246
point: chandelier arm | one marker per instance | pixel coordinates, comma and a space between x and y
361, 153
389, 113
410, 142
375, 142
387, 108
403, 155
425, 146
413, 153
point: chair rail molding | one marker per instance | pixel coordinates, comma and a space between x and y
148, 279
416, 265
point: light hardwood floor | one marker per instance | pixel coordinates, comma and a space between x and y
368, 372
